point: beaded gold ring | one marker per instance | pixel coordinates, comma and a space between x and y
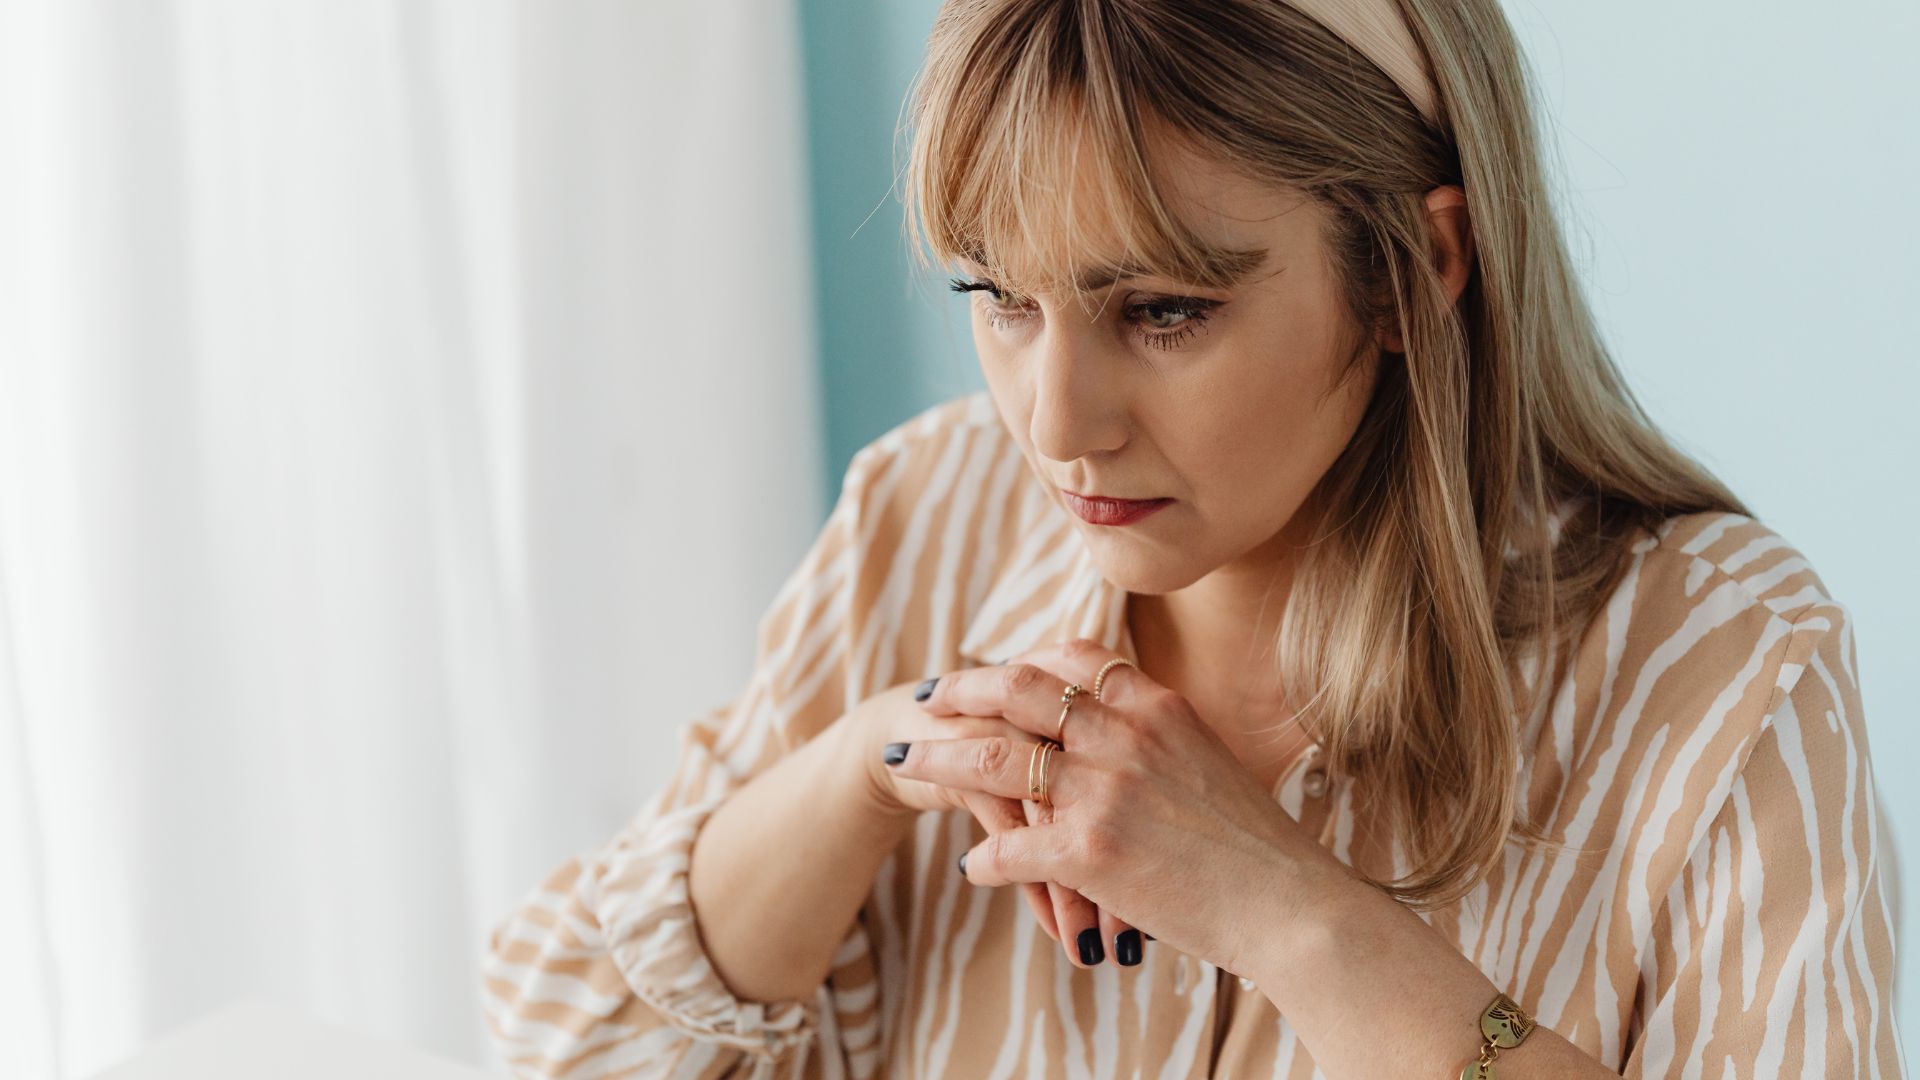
1109, 666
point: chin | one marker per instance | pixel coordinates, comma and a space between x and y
1139, 572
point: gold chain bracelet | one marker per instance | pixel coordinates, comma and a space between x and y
1503, 1024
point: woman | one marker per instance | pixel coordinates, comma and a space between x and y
1305, 617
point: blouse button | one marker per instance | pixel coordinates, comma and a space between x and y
1315, 782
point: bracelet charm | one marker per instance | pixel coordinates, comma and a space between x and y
1503, 1024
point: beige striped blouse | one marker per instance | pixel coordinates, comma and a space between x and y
1732, 920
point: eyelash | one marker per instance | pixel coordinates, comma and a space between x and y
1195, 309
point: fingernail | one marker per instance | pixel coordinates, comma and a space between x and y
1126, 947
925, 689
1091, 951
963, 864
1146, 935
896, 752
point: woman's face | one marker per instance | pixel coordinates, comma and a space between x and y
1222, 400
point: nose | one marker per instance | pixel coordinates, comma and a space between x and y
1078, 403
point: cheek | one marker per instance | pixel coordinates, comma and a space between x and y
1261, 440
992, 354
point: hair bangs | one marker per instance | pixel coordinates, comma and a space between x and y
1030, 160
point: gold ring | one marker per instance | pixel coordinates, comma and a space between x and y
1109, 666
1037, 772
1046, 758
1066, 702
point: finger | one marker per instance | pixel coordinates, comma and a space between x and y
998, 815
1080, 660
1025, 695
1034, 853
1079, 923
994, 764
1126, 944
995, 813
1040, 899
1075, 915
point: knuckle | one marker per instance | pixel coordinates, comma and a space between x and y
1134, 737
1170, 705
1080, 646
1022, 679
1118, 786
1168, 701
990, 756
996, 851
1136, 740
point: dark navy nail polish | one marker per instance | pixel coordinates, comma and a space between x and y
925, 689
963, 864
895, 753
1126, 947
1091, 951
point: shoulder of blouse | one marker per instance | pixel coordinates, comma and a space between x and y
947, 484
1717, 622
1753, 561
931, 457
1753, 802
935, 424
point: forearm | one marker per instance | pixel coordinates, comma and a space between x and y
1373, 990
778, 873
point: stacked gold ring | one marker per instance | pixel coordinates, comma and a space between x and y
1043, 750
1037, 773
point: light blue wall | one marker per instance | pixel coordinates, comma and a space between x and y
1739, 191
1741, 182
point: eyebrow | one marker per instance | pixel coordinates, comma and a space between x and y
1228, 266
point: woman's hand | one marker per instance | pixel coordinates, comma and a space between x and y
1086, 928
1154, 819
892, 716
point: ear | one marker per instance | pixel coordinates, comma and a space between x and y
1452, 230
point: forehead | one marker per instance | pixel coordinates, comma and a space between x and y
1081, 222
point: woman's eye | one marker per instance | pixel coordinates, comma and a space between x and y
1160, 323
965, 285
1166, 323
1165, 316
1002, 307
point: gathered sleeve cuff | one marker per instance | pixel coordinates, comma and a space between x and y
638, 893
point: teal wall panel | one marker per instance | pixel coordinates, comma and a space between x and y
891, 341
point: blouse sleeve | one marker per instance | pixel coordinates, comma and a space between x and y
601, 971
1774, 947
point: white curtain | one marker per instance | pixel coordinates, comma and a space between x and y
407, 408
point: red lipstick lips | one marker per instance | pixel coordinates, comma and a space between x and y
1102, 511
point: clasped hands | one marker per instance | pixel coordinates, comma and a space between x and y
1154, 822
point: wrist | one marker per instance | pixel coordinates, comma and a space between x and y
857, 746
1320, 901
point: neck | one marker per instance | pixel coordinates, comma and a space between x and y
1213, 643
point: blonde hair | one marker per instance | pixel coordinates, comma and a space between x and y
1447, 585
